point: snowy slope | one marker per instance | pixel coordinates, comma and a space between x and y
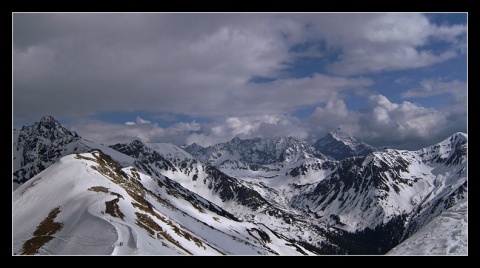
372, 190
252, 199
339, 145
391, 193
204, 179
447, 234
88, 204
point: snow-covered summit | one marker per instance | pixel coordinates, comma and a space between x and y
339, 134
450, 151
340, 145
169, 150
38, 146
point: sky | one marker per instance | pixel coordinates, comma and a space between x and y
395, 80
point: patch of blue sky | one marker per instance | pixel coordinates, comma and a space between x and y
162, 120
310, 57
306, 111
447, 18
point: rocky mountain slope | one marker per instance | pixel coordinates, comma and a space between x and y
363, 203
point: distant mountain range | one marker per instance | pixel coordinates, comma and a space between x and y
254, 196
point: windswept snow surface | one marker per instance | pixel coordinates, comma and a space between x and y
107, 209
447, 234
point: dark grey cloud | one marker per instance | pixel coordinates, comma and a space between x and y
197, 64
79, 64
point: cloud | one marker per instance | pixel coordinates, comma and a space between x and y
205, 134
161, 63
142, 121
139, 121
382, 123
404, 120
404, 80
385, 42
286, 95
433, 87
76, 65
249, 127
144, 130
174, 66
335, 114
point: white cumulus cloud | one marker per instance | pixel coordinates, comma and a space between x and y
384, 123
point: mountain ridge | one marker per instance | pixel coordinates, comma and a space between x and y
327, 206
257, 151
120, 211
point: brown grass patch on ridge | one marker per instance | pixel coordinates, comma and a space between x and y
147, 223
99, 189
111, 207
43, 233
102, 189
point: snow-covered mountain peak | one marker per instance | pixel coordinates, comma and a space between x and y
169, 150
50, 129
459, 137
49, 122
236, 140
338, 134
193, 146
451, 151
137, 143
38, 146
341, 136
456, 139
340, 145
